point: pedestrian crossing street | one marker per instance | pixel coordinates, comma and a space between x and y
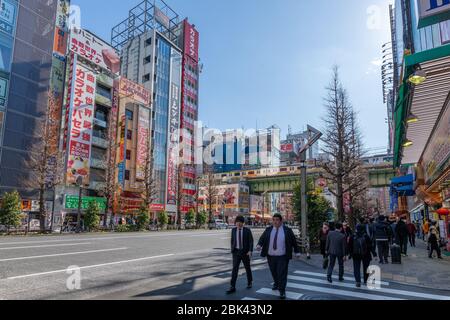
303, 285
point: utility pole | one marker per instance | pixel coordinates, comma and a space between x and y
314, 136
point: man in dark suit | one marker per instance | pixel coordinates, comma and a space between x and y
277, 244
242, 249
336, 248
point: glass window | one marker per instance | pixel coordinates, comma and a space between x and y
127, 174
129, 134
104, 91
445, 32
1, 125
128, 154
129, 115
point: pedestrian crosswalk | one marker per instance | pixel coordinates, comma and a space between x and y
302, 284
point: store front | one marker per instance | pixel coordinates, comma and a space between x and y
422, 120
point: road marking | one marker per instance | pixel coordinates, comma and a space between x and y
46, 246
384, 283
249, 299
289, 294
88, 267
337, 292
389, 291
62, 254
114, 238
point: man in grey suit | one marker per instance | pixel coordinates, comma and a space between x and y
336, 248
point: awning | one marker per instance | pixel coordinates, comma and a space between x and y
426, 101
408, 179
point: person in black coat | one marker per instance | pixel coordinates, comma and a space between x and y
277, 244
360, 247
402, 235
241, 249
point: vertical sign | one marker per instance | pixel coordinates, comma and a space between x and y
70, 82
143, 145
81, 123
191, 41
172, 155
122, 152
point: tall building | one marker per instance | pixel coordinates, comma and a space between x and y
422, 109
293, 143
235, 150
33, 40
160, 52
89, 124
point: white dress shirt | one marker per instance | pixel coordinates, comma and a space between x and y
281, 242
239, 233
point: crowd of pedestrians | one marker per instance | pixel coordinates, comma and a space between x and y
383, 238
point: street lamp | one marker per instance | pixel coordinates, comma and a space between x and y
412, 118
79, 183
418, 77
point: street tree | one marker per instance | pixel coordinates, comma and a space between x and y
92, 216
110, 188
180, 194
202, 216
45, 160
210, 190
143, 218
341, 142
190, 217
150, 184
163, 219
10, 210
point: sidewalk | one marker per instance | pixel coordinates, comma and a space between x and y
416, 268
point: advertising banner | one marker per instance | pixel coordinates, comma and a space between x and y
191, 41
161, 18
256, 204
6, 44
72, 202
81, 123
70, 81
172, 155
433, 11
143, 142
122, 146
134, 91
8, 9
287, 147
60, 43
3, 90
436, 157
94, 50
157, 207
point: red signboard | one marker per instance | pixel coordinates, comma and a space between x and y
288, 147
191, 41
81, 112
143, 145
156, 207
134, 91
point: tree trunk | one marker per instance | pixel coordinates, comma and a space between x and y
42, 213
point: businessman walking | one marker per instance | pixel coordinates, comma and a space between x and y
277, 244
242, 249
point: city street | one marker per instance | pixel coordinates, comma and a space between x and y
188, 265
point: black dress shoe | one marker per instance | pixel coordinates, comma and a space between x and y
231, 290
249, 286
329, 280
274, 288
341, 279
283, 296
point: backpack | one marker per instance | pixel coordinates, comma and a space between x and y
359, 246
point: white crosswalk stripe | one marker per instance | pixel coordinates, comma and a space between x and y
337, 292
383, 283
299, 287
384, 290
250, 299
289, 294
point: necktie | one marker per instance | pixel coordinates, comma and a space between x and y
275, 241
239, 239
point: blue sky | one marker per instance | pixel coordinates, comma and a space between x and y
268, 62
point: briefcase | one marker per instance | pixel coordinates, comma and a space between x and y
326, 261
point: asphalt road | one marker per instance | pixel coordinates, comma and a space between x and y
188, 265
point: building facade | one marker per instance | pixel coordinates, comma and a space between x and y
33, 41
